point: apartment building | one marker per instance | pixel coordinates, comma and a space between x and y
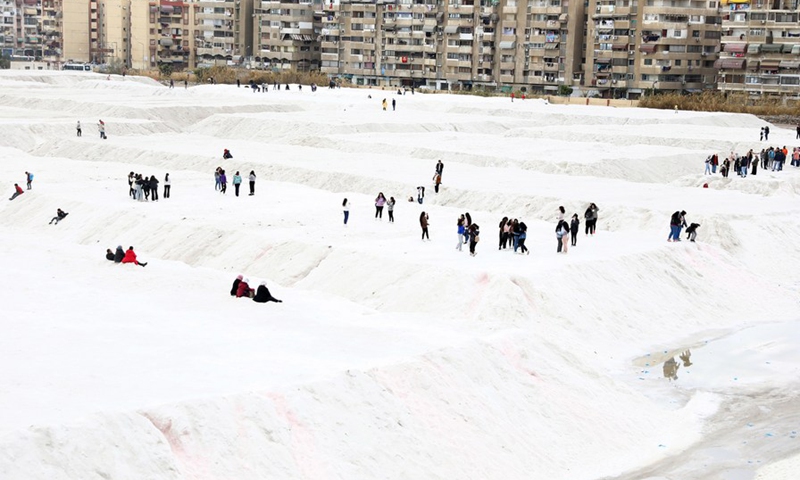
453, 44
286, 34
78, 26
223, 31
760, 47
667, 45
21, 27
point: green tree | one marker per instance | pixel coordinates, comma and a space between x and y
564, 90
165, 69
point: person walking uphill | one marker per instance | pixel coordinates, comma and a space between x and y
130, 257
237, 182
101, 127
17, 192
29, 179
380, 201
423, 222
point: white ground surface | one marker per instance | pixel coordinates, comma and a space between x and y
390, 357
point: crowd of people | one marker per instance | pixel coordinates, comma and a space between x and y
142, 188
771, 158
221, 181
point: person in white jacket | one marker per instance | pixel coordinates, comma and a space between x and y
252, 179
346, 209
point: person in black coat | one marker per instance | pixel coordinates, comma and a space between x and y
119, 254
235, 286
263, 295
109, 255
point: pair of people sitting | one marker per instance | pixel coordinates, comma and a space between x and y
119, 256
241, 288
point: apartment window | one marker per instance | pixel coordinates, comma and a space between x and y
695, 33
712, 34
677, 63
648, 61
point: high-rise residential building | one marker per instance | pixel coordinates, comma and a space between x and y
223, 31
534, 45
286, 35
161, 33
760, 47
78, 24
114, 37
632, 47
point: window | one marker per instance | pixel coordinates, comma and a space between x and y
648, 61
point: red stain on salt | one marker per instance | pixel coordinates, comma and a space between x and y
303, 447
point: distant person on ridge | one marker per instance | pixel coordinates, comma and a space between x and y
79, 128
29, 179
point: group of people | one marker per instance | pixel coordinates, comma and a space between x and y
221, 181
468, 233
120, 256
772, 158
142, 188
380, 202
18, 190
241, 288
677, 223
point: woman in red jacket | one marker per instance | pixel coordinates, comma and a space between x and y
244, 289
130, 257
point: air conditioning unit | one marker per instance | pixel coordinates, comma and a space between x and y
614, 37
631, 52
704, 54
614, 81
763, 22
697, 40
455, 6
469, 20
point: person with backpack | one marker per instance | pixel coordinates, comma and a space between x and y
562, 229
29, 179
437, 180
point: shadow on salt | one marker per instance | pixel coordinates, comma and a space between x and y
755, 356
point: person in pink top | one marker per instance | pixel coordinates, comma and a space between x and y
380, 201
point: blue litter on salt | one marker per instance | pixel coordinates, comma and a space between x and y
768, 435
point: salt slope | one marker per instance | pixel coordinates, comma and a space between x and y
568, 322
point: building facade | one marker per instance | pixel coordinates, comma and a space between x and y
223, 31
668, 45
287, 34
760, 47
